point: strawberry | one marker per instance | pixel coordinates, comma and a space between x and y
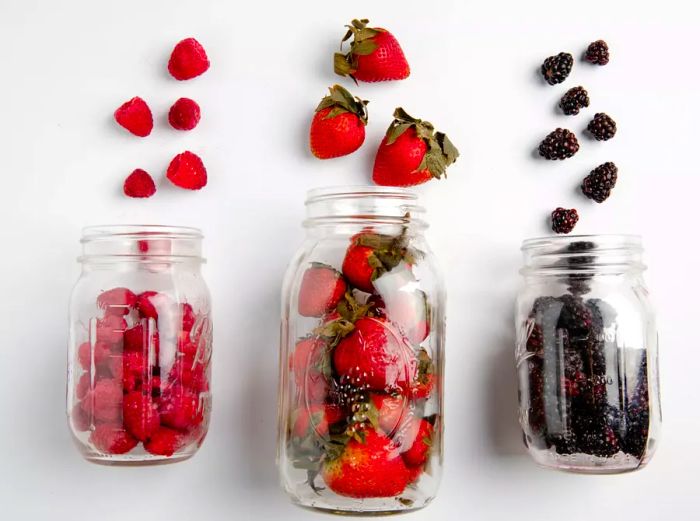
370, 466
165, 442
135, 116
188, 60
391, 411
180, 408
140, 415
184, 114
422, 385
316, 419
338, 126
139, 184
187, 171
112, 439
311, 370
116, 301
411, 153
416, 441
375, 55
321, 289
375, 356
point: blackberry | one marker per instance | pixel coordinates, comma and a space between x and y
598, 53
560, 144
574, 100
599, 183
602, 126
556, 69
575, 317
562, 443
563, 220
574, 259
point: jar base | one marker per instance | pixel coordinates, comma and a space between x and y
587, 464
136, 461
355, 512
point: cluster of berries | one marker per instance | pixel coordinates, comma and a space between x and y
188, 60
362, 380
562, 143
144, 375
411, 152
586, 395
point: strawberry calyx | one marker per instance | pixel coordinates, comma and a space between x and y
341, 101
440, 154
362, 44
387, 251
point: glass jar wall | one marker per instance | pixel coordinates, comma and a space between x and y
360, 427
140, 345
587, 355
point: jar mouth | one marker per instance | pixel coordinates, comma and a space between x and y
139, 231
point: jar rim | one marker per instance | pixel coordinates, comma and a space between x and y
139, 231
345, 191
619, 240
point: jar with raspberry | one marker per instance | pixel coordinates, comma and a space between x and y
587, 355
140, 346
362, 341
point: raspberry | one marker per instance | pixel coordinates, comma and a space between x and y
110, 329
165, 442
188, 60
598, 53
130, 369
602, 126
188, 317
179, 408
599, 183
574, 100
116, 301
184, 114
80, 419
556, 69
191, 375
85, 354
105, 400
140, 415
112, 439
83, 386
560, 144
135, 116
139, 184
563, 220
187, 171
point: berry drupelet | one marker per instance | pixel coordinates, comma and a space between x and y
602, 126
556, 69
574, 100
599, 183
563, 220
560, 144
598, 53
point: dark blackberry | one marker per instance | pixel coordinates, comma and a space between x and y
560, 144
574, 100
563, 220
594, 436
573, 258
598, 53
556, 69
602, 126
599, 183
576, 318
562, 443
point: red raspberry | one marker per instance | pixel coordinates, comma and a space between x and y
189, 374
188, 317
129, 368
140, 415
83, 386
146, 307
184, 114
179, 408
116, 301
81, 421
139, 184
85, 353
188, 60
112, 439
186, 170
137, 339
165, 442
104, 400
110, 329
135, 116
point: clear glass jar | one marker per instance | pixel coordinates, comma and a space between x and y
361, 358
587, 355
140, 345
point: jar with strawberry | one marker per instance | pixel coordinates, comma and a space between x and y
362, 343
140, 344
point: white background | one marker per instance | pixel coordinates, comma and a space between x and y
65, 67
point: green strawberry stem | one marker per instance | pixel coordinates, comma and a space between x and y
362, 45
340, 101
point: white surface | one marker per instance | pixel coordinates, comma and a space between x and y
65, 68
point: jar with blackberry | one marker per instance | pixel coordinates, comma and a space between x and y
587, 355
140, 346
360, 428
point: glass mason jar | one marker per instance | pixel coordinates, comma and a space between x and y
587, 355
361, 358
140, 344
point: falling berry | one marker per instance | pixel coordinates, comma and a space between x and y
135, 116
187, 171
188, 60
184, 114
563, 220
139, 184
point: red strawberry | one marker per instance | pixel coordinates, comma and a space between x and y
321, 289
338, 126
308, 361
187, 171
140, 415
188, 60
139, 184
376, 355
116, 301
370, 468
180, 408
316, 419
416, 441
375, 55
104, 401
359, 267
422, 387
391, 410
184, 114
411, 153
414, 474
86, 354
112, 439
165, 442
135, 116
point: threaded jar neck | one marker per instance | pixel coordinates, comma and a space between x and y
578, 254
141, 243
363, 205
